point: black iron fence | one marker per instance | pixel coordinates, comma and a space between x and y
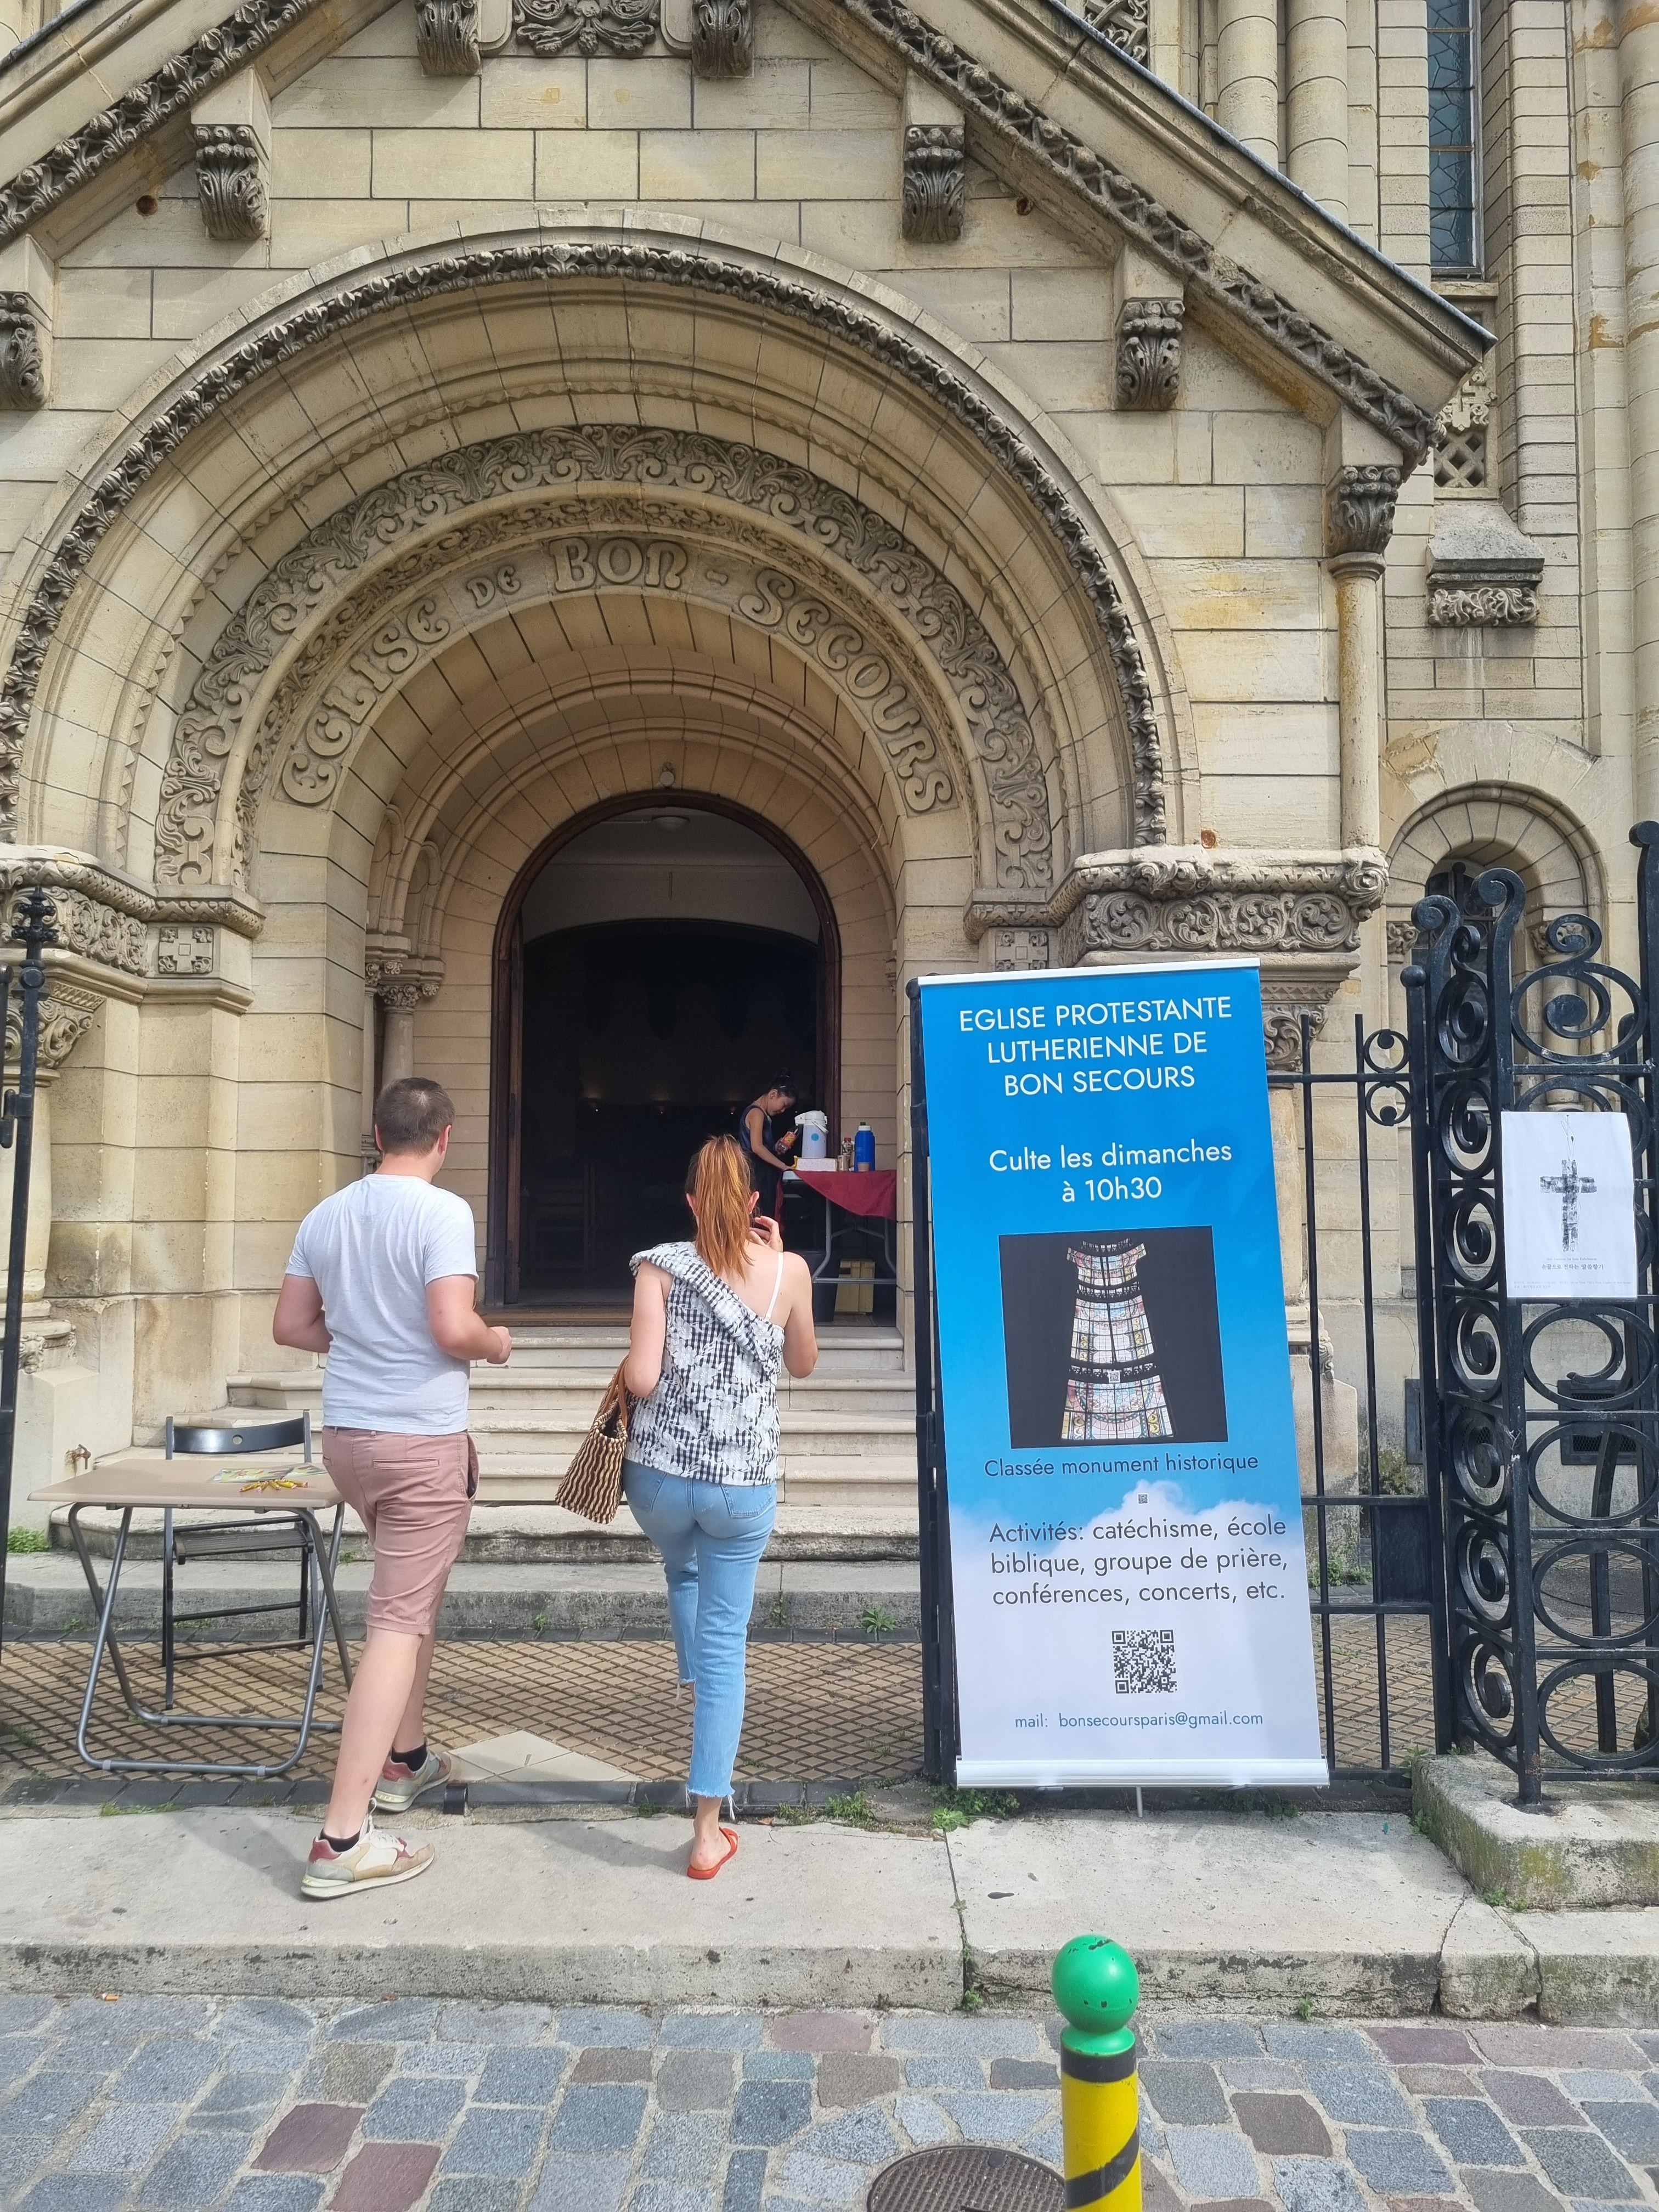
22, 981
1543, 1427
1343, 1139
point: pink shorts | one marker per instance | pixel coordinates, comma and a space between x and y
414, 1496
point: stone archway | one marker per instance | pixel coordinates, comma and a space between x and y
234, 444
366, 600
509, 1013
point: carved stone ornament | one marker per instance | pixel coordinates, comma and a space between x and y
1175, 899
935, 184
1149, 352
1014, 951
1482, 606
1402, 941
722, 38
65, 1016
220, 375
447, 37
586, 26
407, 982
1461, 434
1360, 509
230, 180
1483, 570
227, 48
307, 728
91, 929
102, 916
1281, 1032
184, 951
22, 356
1122, 22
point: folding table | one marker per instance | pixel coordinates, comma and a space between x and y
246, 1482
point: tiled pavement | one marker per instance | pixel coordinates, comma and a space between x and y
268, 2106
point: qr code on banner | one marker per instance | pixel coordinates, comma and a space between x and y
1143, 1662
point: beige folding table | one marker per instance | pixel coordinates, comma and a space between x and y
245, 1482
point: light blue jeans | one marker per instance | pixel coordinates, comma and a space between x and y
711, 1535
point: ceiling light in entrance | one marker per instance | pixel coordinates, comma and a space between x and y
670, 821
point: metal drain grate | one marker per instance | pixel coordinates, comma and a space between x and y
967, 2178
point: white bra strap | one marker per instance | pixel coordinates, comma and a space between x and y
777, 1285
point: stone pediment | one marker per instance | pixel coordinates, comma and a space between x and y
1040, 95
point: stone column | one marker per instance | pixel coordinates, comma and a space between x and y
1638, 87
399, 995
401, 983
1247, 64
1317, 102
1359, 519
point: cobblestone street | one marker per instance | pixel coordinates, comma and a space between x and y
271, 2106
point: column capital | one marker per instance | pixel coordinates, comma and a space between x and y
1359, 505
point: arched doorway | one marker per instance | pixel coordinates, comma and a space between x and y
658, 962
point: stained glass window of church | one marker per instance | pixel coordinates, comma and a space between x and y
1453, 162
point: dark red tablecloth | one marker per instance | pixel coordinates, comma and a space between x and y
874, 1194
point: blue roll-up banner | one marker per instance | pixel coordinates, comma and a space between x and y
1130, 1583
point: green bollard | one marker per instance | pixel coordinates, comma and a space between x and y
1098, 1988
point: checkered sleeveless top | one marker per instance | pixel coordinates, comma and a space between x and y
713, 1415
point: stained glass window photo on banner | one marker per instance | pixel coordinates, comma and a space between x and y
1124, 1502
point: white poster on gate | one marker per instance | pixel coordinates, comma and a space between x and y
1569, 1207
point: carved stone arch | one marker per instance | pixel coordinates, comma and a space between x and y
950, 451
1486, 825
450, 803
299, 670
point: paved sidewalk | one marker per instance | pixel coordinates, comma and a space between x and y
266, 2106
1353, 1914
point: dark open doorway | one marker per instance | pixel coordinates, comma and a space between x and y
657, 966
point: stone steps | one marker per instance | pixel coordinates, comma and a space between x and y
848, 1429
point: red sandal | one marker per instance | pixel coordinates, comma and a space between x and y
708, 1873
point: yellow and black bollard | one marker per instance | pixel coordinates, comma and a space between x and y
1098, 1988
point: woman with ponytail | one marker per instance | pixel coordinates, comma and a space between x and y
713, 1320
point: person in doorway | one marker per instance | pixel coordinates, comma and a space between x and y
767, 1146
712, 1319
381, 1280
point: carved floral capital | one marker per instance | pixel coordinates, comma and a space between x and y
447, 37
22, 353
1281, 1031
722, 38
1149, 352
935, 183
230, 180
1360, 509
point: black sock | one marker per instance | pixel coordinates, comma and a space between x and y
413, 1761
340, 1843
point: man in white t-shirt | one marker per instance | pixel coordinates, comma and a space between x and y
381, 1280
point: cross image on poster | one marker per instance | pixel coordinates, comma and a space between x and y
1569, 1207
1125, 1523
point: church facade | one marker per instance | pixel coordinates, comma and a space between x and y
767, 500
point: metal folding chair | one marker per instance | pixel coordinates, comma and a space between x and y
243, 1536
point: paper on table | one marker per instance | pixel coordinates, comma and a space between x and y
1569, 1207
265, 1477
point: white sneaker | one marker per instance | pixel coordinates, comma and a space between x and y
374, 1861
396, 1793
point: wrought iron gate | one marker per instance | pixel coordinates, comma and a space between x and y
1543, 1431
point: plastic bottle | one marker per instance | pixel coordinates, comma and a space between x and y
864, 1149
